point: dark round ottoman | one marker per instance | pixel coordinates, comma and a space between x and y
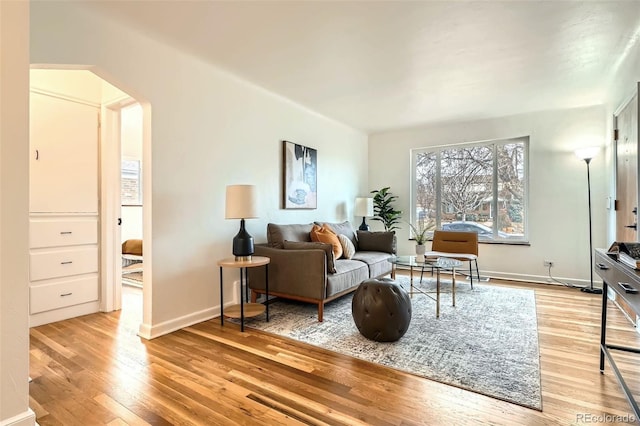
381, 310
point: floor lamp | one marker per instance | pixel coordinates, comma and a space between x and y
587, 155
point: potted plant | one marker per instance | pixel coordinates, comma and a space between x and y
420, 236
383, 208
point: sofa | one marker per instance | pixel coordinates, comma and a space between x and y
311, 271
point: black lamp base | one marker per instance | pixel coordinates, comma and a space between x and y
363, 225
592, 290
243, 244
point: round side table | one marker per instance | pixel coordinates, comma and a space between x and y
243, 309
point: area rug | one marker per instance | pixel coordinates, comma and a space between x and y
487, 344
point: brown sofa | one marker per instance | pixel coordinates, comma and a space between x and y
304, 270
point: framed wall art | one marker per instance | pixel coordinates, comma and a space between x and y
300, 176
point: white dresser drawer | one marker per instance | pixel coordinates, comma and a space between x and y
62, 232
63, 262
61, 294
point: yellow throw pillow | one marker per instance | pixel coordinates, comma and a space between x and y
322, 234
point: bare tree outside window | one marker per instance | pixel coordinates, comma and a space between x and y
426, 203
511, 188
475, 187
467, 180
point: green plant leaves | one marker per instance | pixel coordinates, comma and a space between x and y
383, 208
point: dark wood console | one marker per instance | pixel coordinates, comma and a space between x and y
613, 272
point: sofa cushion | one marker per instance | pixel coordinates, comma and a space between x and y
375, 241
344, 228
304, 245
377, 262
323, 234
277, 234
349, 274
348, 249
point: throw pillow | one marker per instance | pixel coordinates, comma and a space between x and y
322, 234
376, 241
345, 228
276, 234
348, 249
303, 245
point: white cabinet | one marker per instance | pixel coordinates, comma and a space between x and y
63, 231
68, 231
54, 296
64, 156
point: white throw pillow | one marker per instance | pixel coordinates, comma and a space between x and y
348, 249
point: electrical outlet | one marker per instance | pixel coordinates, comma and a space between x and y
548, 263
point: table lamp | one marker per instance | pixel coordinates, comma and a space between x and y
364, 208
241, 204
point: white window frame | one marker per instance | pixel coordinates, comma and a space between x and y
494, 143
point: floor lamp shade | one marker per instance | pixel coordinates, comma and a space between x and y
241, 204
587, 153
364, 208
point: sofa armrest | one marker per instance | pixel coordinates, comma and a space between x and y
301, 273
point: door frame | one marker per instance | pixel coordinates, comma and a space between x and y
111, 289
110, 207
633, 95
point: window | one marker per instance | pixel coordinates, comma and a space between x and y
131, 182
479, 187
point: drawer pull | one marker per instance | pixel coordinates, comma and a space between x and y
66, 232
65, 294
68, 262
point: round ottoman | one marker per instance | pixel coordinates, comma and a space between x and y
381, 310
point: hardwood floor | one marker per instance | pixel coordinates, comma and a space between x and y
94, 370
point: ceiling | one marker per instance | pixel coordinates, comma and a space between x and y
380, 66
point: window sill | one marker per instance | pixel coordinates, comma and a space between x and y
506, 242
509, 243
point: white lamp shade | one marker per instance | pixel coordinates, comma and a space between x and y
587, 153
241, 202
364, 207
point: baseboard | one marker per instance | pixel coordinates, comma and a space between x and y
542, 279
61, 314
149, 332
28, 418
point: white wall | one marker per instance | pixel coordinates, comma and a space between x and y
558, 215
75, 84
208, 129
14, 213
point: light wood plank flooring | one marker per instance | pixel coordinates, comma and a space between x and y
94, 370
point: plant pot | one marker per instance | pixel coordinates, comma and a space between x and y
421, 249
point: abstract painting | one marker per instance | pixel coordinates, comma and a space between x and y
300, 177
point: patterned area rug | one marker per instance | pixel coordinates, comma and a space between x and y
487, 344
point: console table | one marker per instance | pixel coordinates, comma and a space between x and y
612, 272
243, 309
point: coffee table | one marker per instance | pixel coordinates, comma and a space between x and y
439, 264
